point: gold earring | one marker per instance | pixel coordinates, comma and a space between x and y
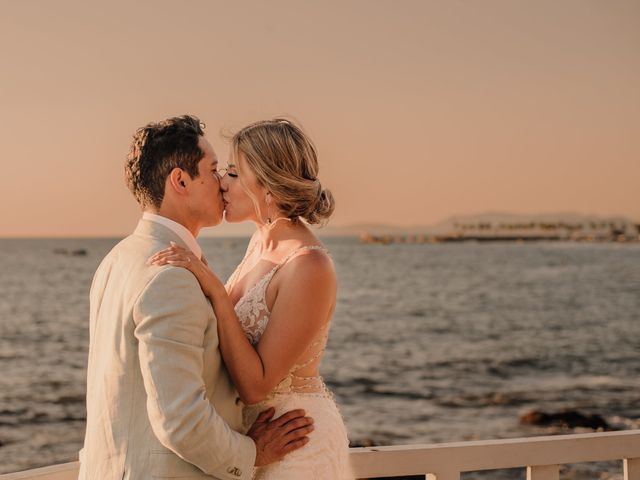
266, 200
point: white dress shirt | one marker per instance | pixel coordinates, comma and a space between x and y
178, 229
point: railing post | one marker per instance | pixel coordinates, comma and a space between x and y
632, 469
543, 472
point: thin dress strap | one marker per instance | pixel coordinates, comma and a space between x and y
231, 281
266, 279
296, 251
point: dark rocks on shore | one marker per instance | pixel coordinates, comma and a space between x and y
565, 418
365, 442
70, 399
80, 252
406, 477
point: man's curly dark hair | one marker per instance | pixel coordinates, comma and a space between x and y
156, 150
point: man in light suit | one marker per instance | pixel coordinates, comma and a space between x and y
160, 403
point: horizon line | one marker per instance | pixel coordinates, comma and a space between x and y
327, 230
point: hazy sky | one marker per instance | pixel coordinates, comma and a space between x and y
420, 109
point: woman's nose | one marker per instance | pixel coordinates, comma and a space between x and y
223, 183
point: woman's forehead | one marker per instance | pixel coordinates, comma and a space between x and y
237, 160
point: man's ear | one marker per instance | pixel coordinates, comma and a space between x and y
178, 179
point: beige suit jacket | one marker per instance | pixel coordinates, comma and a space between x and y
160, 403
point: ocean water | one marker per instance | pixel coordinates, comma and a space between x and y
429, 343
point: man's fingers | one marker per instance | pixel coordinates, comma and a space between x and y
265, 415
298, 433
297, 423
293, 414
294, 445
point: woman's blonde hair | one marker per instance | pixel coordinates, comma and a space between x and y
285, 162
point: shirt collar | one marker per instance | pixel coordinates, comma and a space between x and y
178, 229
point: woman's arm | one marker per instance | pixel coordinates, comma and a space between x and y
304, 301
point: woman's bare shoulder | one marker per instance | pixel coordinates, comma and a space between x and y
311, 264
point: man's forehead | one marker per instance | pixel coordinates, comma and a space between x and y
208, 150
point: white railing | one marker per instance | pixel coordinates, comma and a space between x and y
541, 456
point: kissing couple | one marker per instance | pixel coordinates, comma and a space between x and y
192, 378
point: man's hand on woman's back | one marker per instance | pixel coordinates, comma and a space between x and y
274, 439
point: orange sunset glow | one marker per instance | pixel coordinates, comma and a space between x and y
420, 110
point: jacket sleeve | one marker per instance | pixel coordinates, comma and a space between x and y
171, 316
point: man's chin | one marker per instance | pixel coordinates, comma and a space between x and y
213, 222
228, 219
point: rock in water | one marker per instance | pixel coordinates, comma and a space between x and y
565, 418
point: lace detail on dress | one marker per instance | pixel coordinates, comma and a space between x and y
252, 309
253, 313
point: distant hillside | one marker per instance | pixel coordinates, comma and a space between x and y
496, 218
447, 226
455, 222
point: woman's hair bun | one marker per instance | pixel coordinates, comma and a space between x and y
322, 208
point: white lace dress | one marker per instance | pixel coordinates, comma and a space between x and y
326, 456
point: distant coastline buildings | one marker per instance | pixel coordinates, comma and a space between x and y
521, 230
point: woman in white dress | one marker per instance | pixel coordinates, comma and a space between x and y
275, 311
